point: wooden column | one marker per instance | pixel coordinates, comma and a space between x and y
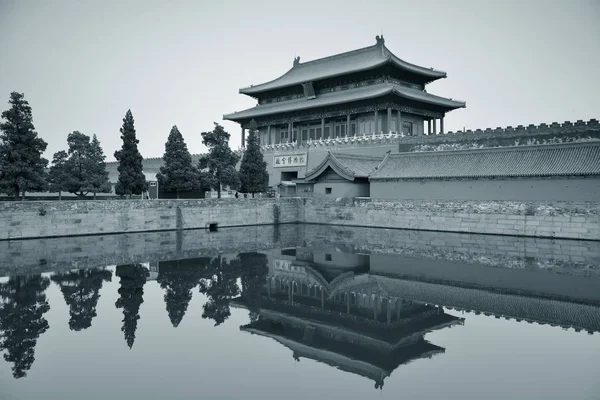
243, 137
375, 121
268, 134
389, 120
290, 128
322, 128
400, 127
322, 298
435, 126
348, 125
348, 303
442, 126
429, 126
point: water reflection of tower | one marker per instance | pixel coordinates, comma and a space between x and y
339, 316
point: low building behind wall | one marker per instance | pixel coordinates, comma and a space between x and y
339, 175
566, 172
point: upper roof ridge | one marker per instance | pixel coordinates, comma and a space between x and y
333, 56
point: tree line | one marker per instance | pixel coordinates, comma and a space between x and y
81, 168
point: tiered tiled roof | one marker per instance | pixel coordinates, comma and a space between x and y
340, 64
578, 159
345, 96
348, 166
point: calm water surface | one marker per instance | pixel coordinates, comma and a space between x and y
324, 321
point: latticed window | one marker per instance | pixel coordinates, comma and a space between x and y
407, 128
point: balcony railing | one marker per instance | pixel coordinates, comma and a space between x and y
374, 137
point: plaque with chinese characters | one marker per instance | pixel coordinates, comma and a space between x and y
289, 160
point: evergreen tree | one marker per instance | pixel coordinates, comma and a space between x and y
81, 290
131, 176
220, 288
59, 176
131, 296
254, 177
218, 165
178, 278
177, 174
98, 176
85, 170
22, 167
79, 165
22, 319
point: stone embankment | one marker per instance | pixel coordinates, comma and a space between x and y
20, 220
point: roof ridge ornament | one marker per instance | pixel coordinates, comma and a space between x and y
296, 61
380, 40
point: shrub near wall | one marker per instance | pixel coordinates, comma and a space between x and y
560, 220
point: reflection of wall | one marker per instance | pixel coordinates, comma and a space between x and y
60, 254
480, 276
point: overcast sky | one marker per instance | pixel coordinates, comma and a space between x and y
83, 63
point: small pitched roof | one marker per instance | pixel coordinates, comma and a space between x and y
348, 166
576, 159
344, 96
340, 64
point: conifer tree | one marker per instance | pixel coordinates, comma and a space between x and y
82, 170
254, 177
58, 176
131, 176
218, 166
177, 174
22, 167
98, 178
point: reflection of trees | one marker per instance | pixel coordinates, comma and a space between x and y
254, 267
219, 285
178, 278
22, 319
81, 290
131, 292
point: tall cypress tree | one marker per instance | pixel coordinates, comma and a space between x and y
254, 177
178, 174
98, 178
58, 176
22, 167
131, 177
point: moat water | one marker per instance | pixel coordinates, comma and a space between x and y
313, 312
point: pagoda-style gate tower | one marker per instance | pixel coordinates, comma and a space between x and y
344, 98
